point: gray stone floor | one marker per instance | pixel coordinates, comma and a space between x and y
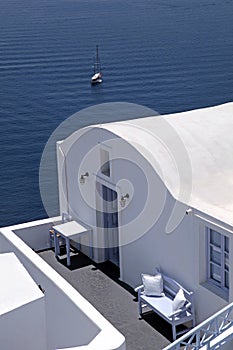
99, 284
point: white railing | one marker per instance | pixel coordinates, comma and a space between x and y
213, 332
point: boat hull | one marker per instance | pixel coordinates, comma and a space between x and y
98, 81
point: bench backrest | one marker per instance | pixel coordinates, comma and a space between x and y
171, 287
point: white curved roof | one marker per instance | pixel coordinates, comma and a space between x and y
192, 152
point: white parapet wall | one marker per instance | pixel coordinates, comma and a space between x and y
22, 307
71, 321
36, 233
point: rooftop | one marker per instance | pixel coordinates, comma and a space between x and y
14, 274
190, 151
100, 285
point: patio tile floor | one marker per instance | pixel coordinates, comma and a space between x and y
100, 285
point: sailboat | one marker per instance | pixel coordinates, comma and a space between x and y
97, 77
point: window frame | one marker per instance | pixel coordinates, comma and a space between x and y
107, 174
223, 265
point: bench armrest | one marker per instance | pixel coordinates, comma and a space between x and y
139, 288
177, 312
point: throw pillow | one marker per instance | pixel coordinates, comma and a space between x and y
153, 284
179, 300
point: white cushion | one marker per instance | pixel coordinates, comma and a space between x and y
179, 300
153, 284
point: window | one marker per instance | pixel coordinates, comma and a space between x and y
218, 259
105, 162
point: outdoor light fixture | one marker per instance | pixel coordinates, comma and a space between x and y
123, 199
83, 178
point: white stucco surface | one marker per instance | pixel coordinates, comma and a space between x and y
14, 277
22, 307
161, 162
60, 298
192, 153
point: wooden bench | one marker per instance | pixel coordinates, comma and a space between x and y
162, 305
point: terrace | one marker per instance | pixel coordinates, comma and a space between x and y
73, 323
97, 283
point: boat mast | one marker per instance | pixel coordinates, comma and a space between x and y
97, 53
96, 66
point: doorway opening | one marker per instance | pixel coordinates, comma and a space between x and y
110, 224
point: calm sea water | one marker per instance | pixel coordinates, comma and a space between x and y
168, 55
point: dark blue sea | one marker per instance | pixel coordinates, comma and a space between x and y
167, 55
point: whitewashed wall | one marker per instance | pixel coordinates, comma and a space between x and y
22, 307
145, 215
71, 321
36, 233
24, 327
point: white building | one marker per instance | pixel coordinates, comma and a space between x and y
157, 191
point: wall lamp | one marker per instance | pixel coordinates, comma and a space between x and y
123, 199
83, 178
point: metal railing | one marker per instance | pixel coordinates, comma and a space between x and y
207, 333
